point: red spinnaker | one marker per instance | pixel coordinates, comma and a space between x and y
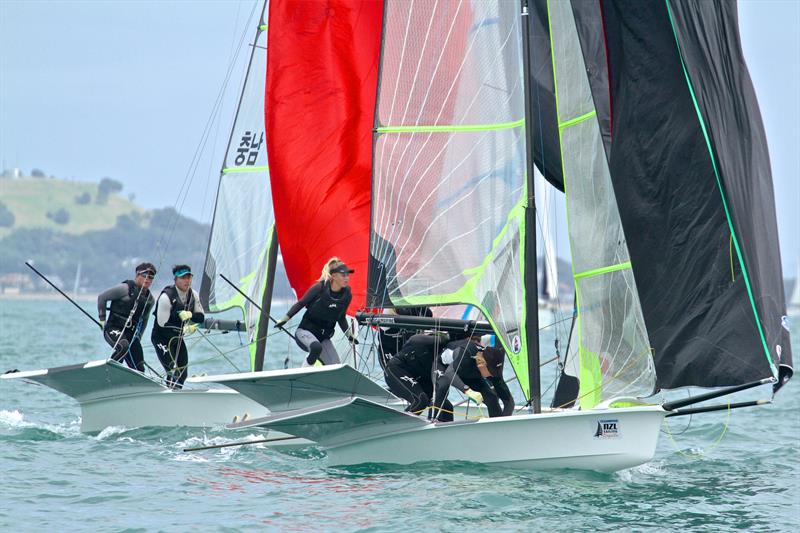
322, 72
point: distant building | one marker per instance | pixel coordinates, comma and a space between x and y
15, 282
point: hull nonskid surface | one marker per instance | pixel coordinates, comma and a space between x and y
113, 395
359, 431
299, 388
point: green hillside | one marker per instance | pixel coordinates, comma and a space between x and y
31, 199
66, 226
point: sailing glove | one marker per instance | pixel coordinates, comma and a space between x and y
352, 338
476, 396
188, 329
280, 323
184, 315
102, 324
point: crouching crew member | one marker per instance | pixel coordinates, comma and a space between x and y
178, 310
326, 305
409, 373
392, 338
458, 367
130, 305
490, 364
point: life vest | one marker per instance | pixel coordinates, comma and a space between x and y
468, 368
120, 309
418, 353
174, 323
323, 313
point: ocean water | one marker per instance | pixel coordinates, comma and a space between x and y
721, 471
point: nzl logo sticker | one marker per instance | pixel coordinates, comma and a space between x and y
607, 429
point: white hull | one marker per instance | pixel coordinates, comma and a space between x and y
192, 408
540, 442
112, 395
604, 440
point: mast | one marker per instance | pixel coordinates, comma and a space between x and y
266, 304
530, 274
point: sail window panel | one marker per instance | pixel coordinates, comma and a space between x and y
239, 238
440, 199
248, 145
595, 228
448, 63
613, 339
573, 94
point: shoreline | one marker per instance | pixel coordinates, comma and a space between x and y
46, 296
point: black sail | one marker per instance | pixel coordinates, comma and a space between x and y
546, 149
691, 173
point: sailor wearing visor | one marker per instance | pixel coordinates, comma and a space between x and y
326, 304
178, 311
123, 311
475, 369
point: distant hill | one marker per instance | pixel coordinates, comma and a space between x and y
31, 199
60, 225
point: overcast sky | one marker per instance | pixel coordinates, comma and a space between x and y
124, 89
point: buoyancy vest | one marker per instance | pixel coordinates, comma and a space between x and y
174, 323
120, 309
467, 350
322, 314
418, 353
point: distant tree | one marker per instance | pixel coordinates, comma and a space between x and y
105, 188
83, 199
59, 217
6, 216
37, 173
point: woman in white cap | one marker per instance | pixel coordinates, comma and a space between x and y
326, 304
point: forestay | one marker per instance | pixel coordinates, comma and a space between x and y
449, 184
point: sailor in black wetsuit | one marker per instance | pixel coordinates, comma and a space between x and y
326, 305
130, 304
409, 373
178, 310
459, 367
491, 363
392, 339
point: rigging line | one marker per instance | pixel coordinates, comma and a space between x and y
189, 177
713, 445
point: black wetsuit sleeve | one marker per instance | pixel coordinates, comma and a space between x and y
343, 319
198, 315
114, 293
457, 362
311, 294
148, 307
343, 322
